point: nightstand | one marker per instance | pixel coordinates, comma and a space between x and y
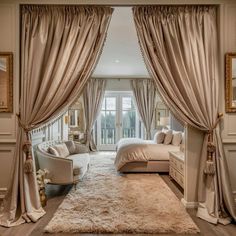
177, 167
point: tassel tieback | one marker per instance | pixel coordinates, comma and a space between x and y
28, 165
210, 165
210, 168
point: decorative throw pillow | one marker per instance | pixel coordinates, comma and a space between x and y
53, 151
71, 147
168, 136
159, 137
177, 138
81, 148
62, 150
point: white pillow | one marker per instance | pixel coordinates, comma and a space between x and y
177, 138
168, 136
70, 146
62, 150
53, 151
159, 137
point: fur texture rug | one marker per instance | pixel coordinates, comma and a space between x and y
109, 202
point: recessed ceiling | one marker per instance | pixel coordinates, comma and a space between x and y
121, 56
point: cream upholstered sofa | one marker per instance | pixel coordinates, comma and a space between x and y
63, 170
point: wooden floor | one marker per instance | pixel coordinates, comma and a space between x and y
56, 195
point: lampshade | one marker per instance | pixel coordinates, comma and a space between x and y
164, 121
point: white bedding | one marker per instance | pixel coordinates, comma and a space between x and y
138, 150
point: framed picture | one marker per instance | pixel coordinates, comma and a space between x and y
6, 82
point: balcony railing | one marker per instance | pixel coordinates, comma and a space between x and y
128, 133
108, 135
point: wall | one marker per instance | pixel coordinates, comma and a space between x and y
228, 44
118, 85
9, 41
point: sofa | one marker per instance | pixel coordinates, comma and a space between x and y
66, 161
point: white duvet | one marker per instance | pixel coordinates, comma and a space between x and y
138, 150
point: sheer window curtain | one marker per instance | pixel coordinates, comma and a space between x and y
145, 96
179, 45
92, 98
60, 46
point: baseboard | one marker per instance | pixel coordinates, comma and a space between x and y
189, 204
3, 192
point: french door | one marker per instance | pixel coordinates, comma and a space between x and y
118, 119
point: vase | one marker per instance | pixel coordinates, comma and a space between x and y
43, 197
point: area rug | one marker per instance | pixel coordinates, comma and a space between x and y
108, 202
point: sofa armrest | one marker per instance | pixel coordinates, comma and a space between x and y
60, 169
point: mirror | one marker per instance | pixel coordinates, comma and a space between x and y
230, 85
6, 82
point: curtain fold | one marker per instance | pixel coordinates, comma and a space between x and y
92, 98
179, 46
145, 96
60, 46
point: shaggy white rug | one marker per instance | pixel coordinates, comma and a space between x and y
108, 202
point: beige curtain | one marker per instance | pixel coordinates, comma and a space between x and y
60, 46
145, 95
179, 45
92, 97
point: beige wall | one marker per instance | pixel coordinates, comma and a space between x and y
9, 41
228, 44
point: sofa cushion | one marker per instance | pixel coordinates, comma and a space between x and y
80, 163
168, 136
71, 147
62, 149
177, 138
53, 151
81, 148
159, 137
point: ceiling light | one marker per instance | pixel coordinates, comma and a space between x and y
117, 61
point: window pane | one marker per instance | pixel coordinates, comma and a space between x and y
126, 103
104, 104
110, 132
103, 119
128, 124
110, 103
110, 119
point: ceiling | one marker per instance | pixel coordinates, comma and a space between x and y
121, 56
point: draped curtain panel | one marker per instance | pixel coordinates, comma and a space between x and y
179, 46
145, 95
92, 97
60, 46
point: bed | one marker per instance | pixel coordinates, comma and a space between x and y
137, 155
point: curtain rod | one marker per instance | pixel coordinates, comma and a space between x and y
119, 78
120, 5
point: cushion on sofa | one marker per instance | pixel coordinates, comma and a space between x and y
53, 151
80, 163
62, 150
168, 136
81, 148
71, 147
159, 137
177, 138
